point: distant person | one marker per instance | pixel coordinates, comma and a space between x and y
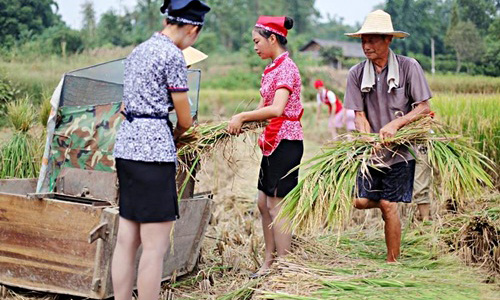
155, 83
387, 92
338, 117
282, 140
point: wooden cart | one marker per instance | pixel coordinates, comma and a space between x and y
58, 234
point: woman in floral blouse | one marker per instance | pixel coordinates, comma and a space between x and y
155, 83
282, 140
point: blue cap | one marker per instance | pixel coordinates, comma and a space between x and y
185, 11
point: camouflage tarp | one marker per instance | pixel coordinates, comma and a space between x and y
87, 103
42, 185
84, 138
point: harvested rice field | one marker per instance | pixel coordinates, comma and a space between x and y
455, 255
436, 260
349, 265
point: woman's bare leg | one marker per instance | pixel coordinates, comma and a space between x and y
123, 263
268, 232
155, 239
282, 239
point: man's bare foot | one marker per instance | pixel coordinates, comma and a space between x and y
392, 261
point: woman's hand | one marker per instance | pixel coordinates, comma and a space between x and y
235, 123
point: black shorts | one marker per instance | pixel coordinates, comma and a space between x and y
273, 168
393, 184
148, 191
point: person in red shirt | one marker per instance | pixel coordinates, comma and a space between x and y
282, 140
338, 116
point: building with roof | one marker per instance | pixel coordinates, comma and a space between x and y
350, 50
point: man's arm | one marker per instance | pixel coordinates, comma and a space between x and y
361, 122
389, 130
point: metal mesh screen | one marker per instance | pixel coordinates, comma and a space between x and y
103, 84
84, 91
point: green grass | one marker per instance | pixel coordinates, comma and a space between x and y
36, 75
464, 84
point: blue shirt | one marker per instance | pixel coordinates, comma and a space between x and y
153, 71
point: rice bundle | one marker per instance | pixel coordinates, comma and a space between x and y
323, 197
20, 157
198, 143
200, 140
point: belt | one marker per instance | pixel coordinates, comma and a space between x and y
131, 117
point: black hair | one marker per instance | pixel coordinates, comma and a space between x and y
181, 24
281, 39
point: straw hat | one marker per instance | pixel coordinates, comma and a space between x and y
193, 56
378, 22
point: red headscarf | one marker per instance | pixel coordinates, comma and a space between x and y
318, 84
273, 24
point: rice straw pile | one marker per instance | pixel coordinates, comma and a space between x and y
323, 197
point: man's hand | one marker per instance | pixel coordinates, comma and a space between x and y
388, 131
234, 126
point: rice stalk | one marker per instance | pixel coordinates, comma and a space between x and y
198, 143
20, 157
475, 233
45, 109
244, 293
462, 170
188, 177
21, 114
200, 140
474, 116
323, 197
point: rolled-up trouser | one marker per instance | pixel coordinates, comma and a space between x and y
422, 187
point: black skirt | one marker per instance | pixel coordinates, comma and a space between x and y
148, 191
275, 167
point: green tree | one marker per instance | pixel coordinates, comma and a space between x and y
333, 29
89, 24
332, 55
302, 12
479, 12
465, 39
114, 29
63, 39
423, 19
491, 59
25, 18
455, 18
145, 19
232, 20
207, 42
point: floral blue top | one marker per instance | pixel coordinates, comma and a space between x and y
153, 71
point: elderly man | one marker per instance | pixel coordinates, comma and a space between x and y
387, 92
